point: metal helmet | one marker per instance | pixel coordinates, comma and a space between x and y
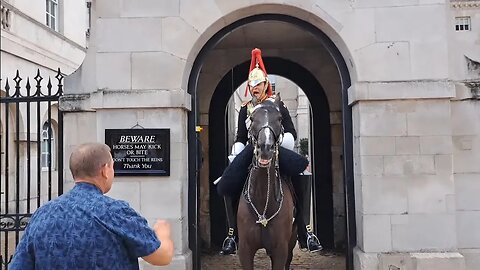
256, 76
257, 73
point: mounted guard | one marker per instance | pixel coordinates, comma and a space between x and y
290, 163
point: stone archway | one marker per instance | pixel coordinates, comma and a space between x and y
195, 82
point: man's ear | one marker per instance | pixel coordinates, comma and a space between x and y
104, 171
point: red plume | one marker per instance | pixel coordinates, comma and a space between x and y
257, 57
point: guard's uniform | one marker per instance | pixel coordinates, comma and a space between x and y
235, 175
246, 110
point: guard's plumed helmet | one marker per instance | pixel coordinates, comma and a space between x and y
257, 73
256, 76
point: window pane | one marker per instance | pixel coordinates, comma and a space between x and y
52, 13
44, 160
463, 23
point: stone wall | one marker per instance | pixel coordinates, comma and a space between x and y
414, 160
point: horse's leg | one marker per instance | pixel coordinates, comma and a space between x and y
279, 257
247, 236
277, 241
291, 246
246, 255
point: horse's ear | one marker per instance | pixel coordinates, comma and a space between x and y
277, 99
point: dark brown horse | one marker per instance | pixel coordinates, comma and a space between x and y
265, 210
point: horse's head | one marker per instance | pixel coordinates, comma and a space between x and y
266, 131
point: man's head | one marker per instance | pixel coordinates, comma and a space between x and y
92, 162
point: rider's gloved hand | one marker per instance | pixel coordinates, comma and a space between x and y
288, 141
236, 149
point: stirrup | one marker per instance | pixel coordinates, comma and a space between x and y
313, 244
229, 246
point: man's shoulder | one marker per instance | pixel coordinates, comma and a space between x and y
53, 204
51, 210
117, 205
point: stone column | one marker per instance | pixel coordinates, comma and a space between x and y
130, 78
404, 185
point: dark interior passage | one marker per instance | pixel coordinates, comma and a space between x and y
321, 151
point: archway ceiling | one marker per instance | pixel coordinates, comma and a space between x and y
269, 35
276, 39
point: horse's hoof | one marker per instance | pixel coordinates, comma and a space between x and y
229, 246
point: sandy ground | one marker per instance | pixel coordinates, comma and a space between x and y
301, 261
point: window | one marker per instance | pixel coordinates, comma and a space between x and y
52, 14
48, 146
89, 19
5, 17
272, 82
462, 24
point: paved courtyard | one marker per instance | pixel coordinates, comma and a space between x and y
301, 261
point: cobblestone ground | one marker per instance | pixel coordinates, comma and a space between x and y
301, 261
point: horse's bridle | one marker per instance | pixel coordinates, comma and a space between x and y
254, 141
262, 219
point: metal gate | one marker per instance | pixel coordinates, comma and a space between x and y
31, 147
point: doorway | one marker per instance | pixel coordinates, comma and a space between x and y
306, 75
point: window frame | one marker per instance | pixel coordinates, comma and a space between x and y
463, 24
52, 14
44, 147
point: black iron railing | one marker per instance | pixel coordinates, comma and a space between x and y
31, 147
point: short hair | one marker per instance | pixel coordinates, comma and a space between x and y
87, 159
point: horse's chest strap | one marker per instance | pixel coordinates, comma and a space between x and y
262, 219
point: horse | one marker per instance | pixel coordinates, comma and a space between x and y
266, 207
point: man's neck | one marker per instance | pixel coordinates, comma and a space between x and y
93, 182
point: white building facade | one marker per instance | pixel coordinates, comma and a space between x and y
42, 34
395, 106
38, 38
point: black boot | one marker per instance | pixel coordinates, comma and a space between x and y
306, 238
229, 245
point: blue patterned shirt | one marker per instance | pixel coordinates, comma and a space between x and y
84, 229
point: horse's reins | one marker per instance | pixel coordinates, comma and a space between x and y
261, 217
